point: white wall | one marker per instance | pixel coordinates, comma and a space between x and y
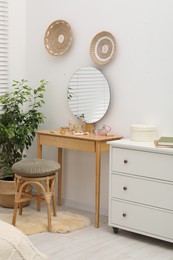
140, 76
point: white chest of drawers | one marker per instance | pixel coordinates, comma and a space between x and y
141, 188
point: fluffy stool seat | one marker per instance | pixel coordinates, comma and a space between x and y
40, 172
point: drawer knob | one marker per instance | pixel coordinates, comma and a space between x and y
125, 161
124, 188
124, 215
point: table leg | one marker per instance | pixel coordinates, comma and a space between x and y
39, 155
39, 148
97, 183
59, 175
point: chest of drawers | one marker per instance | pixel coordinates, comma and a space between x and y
141, 188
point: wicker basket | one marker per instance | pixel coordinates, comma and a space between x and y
102, 48
58, 37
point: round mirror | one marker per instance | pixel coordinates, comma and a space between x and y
88, 94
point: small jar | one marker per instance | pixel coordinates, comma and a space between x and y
63, 130
78, 128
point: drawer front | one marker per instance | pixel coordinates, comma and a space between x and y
148, 164
141, 219
145, 191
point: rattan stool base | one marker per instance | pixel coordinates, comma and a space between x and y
45, 192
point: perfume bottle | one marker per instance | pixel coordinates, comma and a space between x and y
70, 126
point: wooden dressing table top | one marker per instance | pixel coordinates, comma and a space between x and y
85, 143
90, 137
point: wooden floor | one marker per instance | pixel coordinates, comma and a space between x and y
100, 243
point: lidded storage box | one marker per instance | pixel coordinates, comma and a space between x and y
143, 133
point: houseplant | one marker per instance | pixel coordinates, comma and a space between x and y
19, 120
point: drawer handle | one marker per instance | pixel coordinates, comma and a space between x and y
125, 188
125, 161
124, 215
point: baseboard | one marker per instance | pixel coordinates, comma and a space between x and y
82, 206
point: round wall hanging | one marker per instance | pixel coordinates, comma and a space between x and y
58, 37
102, 48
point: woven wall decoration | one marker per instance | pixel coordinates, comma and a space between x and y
58, 37
102, 48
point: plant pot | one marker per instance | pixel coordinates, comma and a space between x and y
7, 194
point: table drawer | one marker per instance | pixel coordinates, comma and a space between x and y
142, 190
149, 164
141, 219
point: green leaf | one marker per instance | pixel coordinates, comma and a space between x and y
19, 121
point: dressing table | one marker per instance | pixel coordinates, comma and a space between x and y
88, 97
86, 143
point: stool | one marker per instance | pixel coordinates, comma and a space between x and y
40, 172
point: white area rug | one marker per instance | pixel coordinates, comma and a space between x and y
33, 222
